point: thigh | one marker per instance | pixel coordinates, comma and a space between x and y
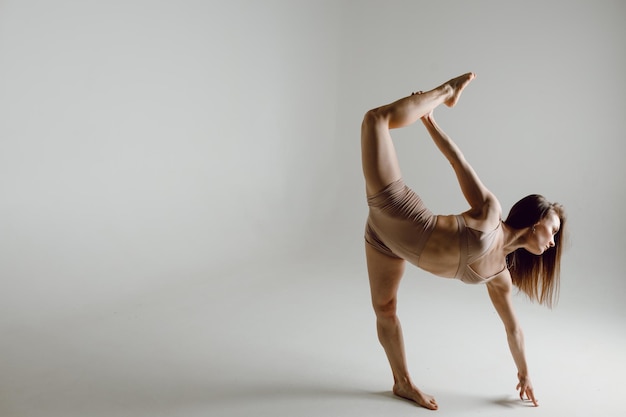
378, 155
385, 273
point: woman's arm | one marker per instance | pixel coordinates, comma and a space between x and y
500, 293
475, 192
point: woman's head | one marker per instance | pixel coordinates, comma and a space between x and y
543, 220
535, 269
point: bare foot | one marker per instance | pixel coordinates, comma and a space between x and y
412, 393
457, 85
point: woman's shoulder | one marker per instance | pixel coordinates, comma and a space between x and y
485, 218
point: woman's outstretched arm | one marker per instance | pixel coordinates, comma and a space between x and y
475, 192
500, 293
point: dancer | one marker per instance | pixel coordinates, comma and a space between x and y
474, 247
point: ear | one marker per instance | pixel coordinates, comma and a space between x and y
534, 226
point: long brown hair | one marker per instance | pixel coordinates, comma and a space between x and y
538, 276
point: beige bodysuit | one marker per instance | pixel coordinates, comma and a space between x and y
399, 225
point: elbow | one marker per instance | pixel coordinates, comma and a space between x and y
456, 158
514, 332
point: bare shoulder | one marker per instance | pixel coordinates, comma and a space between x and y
488, 216
501, 283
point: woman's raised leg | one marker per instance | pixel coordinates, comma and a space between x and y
379, 159
385, 274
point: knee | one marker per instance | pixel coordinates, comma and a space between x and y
385, 309
373, 117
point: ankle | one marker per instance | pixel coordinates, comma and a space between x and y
404, 381
447, 91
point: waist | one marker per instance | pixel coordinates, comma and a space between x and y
441, 253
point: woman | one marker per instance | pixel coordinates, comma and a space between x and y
475, 246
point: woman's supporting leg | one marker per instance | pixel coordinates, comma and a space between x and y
385, 274
379, 159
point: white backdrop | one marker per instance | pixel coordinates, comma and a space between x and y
147, 142
149, 146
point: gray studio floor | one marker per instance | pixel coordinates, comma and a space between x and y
299, 340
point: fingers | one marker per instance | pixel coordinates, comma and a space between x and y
530, 395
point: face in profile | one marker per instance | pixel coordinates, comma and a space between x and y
544, 231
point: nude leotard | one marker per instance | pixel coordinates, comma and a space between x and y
399, 225
474, 245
